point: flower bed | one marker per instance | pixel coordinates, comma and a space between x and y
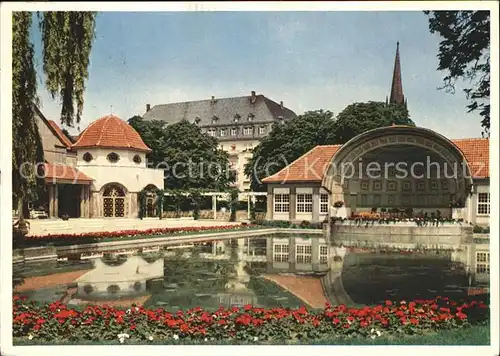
89, 237
56, 322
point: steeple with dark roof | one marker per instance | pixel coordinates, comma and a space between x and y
397, 96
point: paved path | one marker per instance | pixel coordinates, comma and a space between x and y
76, 226
49, 281
306, 288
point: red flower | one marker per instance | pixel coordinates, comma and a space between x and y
461, 316
247, 307
363, 324
132, 327
388, 303
336, 321
414, 321
346, 326
184, 328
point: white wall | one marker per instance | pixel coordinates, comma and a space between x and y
134, 177
240, 152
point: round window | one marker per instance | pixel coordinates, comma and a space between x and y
137, 159
113, 157
87, 157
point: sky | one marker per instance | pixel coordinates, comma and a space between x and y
308, 60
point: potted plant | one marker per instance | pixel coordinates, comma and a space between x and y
338, 204
65, 217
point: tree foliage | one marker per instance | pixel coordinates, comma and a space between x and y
464, 54
26, 142
360, 117
191, 158
288, 141
67, 38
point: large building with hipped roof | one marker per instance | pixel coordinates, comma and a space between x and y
394, 168
98, 175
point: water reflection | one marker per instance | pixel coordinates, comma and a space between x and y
231, 273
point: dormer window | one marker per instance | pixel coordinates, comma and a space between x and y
237, 117
251, 117
247, 131
87, 157
281, 120
215, 119
197, 120
113, 157
262, 130
211, 132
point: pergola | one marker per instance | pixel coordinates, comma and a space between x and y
249, 196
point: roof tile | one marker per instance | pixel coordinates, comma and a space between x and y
312, 166
111, 132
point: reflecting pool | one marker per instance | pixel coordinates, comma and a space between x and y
271, 271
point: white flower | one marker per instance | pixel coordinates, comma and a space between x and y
30, 337
403, 302
206, 339
372, 330
150, 338
176, 337
255, 338
379, 333
373, 336
128, 311
122, 341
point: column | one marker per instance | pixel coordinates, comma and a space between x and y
270, 200
56, 201
87, 201
82, 201
315, 202
269, 254
51, 201
293, 204
248, 207
214, 206
291, 253
315, 253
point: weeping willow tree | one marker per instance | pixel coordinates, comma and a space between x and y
66, 41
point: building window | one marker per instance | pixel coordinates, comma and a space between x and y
281, 203
377, 185
391, 199
444, 185
223, 132
237, 117
303, 253
215, 119
211, 132
113, 157
247, 131
420, 185
280, 253
262, 130
483, 203
376, 200
87, 157
483, 262
391, 186
323, 203
434, 185
364, 185
323, 254
137, 159
304, 203
251, 117
233, 131
407, 185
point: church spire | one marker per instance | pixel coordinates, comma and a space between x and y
397, 96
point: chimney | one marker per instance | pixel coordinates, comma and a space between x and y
253, 96
281, 105
148, 107
213, 99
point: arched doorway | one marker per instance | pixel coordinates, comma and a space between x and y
114, 201
151, 200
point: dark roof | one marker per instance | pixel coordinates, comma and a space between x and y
225, 109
